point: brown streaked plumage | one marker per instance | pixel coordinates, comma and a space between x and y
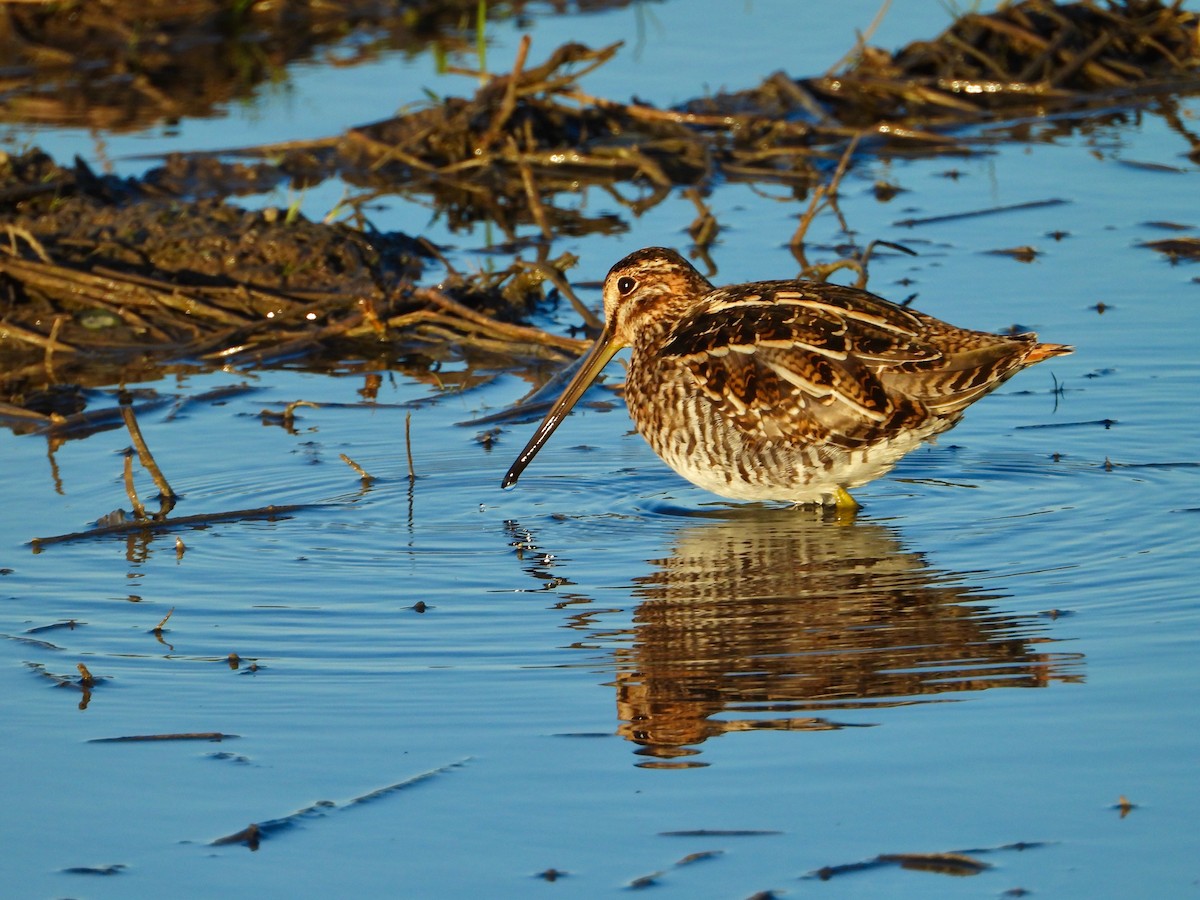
782, 390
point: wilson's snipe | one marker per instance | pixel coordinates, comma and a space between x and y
782, 390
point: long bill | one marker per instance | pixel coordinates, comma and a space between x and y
593, 364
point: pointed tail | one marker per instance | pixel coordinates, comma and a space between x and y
1045, 351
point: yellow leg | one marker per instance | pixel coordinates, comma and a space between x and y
843, 500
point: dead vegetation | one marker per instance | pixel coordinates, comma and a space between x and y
97, 274
101, 279
1028, 58
118, 65
529, 139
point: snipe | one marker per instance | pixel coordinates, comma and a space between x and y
782, 390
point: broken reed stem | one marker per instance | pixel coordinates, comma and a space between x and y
705, 226
51, 342
366, 477
826, 194
843, 167
145, 457
157, 629
532, 196
496, 328
15, 231
861, 39
289, 411
32, 337
412, 475
865, 259
509, 103
139, 511
556, 278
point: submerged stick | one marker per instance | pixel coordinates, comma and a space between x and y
174, 736
970, 214
264, 512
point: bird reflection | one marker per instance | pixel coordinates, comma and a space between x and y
789, 619
777, 619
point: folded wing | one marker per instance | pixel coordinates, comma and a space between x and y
841, 367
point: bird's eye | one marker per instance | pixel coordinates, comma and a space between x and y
625, 286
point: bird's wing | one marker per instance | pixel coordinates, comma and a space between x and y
970, 364
803, 365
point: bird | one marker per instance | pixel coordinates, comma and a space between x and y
794, 391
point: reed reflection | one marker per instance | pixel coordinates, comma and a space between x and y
778, 619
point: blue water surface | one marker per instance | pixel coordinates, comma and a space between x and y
606, 677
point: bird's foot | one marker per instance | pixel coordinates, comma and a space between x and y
843, 500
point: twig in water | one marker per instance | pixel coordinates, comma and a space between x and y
1007, 207
158, 629
287, 418
161, 525
826, 194
174, 736
705, 227
861, 263
412, 475
289, 412
139, 511
531, 194
366, 477
145, 457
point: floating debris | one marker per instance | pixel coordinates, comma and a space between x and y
940, 863
974, 213
114, 869
176, 736
253, 834
269, 513
1024, 254
1184, 249
86, 680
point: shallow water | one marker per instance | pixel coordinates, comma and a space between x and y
445, 689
